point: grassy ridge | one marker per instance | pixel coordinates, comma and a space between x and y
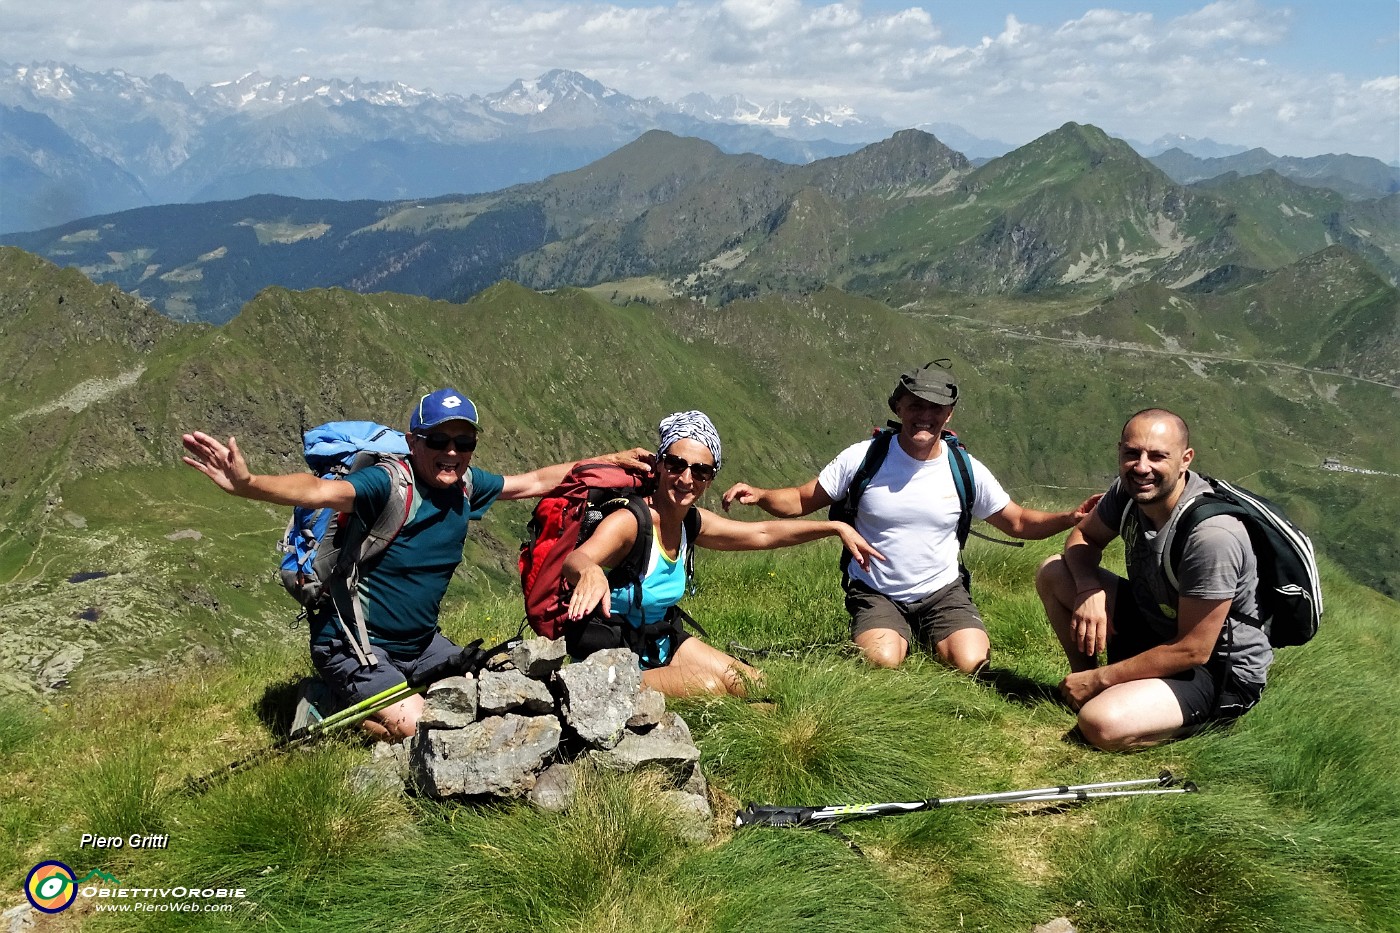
1295, 827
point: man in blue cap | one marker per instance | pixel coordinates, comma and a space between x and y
402, 592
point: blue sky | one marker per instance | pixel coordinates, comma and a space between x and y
1299, 78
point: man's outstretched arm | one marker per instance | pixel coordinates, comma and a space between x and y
788, 502
1033, 524
226, 468
537, 482
1199, 622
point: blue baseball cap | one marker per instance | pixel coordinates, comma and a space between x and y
443, 405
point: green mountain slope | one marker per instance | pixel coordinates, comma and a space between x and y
1314, 218
1325, 311
1074, 211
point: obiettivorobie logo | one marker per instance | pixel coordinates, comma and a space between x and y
52, 887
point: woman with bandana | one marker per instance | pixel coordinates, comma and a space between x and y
673, 661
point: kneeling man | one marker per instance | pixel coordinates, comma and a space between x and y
1178, 658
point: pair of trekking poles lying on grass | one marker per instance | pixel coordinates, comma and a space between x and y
825, 817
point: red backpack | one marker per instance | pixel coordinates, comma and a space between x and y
564, 518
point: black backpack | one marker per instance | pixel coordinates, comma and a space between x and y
844, 509
1290, 588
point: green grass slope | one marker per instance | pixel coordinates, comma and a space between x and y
1295, 826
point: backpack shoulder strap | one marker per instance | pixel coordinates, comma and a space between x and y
844, 509
354, 555
962, 479
1203, 505
691, 524
399, 508
874, 459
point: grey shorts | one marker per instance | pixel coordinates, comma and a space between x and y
1206, 693
926, 621
350, 682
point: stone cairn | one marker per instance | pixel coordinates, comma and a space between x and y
520, 732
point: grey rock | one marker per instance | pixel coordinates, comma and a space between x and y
537, 658
668, 748
511, 691
696, 783
649, 707
1058, 925
57, 668
499, 755
554, 789
599, 695
387, 770
451, 703
694, 818
18, 919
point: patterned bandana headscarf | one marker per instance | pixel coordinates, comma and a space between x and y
692, 424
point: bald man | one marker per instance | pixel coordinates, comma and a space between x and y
1177, 657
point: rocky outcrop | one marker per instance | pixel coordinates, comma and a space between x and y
520, 731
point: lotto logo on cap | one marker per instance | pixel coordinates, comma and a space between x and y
443, 405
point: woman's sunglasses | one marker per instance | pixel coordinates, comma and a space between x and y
439, 441
703, 472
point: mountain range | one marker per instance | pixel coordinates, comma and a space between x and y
75, 143
1075, 211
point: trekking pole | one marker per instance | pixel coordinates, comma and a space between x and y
469, 660
765, 815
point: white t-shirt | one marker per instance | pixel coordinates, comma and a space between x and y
910, 513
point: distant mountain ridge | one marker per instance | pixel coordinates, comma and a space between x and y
1075, 210
1353, 176
258, 135
120, 140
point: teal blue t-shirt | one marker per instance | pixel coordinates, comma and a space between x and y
402, 593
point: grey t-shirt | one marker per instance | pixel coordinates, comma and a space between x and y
1217, 562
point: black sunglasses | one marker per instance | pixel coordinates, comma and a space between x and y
704, 472
439, 441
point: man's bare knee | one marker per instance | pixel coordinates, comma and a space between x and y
1108, 729
1051, 572
884, 653
970, 662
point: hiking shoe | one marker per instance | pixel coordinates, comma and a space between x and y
312, 698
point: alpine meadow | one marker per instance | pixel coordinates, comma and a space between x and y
146, 641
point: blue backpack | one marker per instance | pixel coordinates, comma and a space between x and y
323, 552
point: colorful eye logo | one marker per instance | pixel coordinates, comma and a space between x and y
50, 887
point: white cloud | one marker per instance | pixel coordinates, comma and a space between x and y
1207, 72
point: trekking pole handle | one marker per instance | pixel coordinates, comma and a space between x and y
758, 815
459, 662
